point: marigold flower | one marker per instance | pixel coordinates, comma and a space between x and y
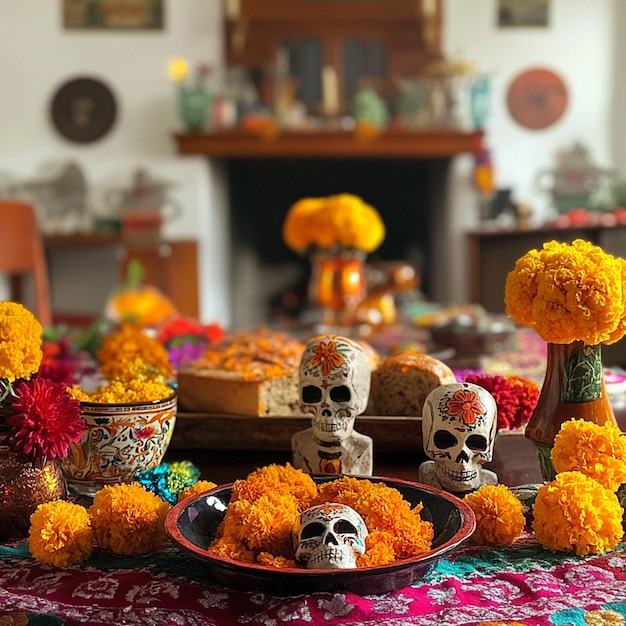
343, 220
499, 515
196, 489
575, 513
20, 342
45, 419
135, 391
131, 350
598, 451
128, 519
264, 508
60, 534
569, 292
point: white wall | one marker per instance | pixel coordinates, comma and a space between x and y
37, 55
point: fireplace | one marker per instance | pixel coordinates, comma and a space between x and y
420, 183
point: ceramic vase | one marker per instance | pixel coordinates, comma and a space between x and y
24, 485
119, 441
337, 286
194, 105
573, 388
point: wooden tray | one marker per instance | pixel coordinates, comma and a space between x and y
234, 432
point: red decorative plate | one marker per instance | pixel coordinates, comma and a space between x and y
537, 98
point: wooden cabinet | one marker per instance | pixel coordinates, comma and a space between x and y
365, 42
87, 259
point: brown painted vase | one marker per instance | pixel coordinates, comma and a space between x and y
24, 485
573, 388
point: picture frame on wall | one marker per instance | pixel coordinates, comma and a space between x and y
515, 13
113, 14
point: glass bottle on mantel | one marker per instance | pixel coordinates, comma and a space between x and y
573, 388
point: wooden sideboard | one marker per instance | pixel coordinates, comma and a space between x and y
170, 265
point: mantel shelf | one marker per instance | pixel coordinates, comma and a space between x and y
235, 144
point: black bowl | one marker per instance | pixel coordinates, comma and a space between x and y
192, 523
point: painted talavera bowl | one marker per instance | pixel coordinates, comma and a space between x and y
192, 524
119, 441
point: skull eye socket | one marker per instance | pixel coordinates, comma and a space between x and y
344, 527
477, 443
444, 439
314, 529
311, 394
340, 394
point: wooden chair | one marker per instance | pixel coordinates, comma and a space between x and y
22, 254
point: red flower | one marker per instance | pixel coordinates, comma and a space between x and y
46, 419
515, 397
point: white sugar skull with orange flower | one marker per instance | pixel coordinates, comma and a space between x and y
334, 385
458, 429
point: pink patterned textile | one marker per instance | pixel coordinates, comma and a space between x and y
522, 584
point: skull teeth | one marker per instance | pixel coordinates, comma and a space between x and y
461, 477
329, 555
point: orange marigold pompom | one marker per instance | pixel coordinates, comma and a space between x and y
197, 488
575, 513
598, 451
128, 519
60, 534
499, 515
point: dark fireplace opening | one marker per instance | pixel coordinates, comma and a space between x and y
262, 191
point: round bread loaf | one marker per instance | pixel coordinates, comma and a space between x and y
402, 381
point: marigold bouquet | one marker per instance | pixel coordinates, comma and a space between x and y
38, 417
134, 367
340, 221
569, 292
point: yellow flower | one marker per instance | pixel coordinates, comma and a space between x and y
178, 70
124, 392
144, 306
343, 220
131, 350
128, 519
264, 508
569, 293
597, 451
20, 342
60, 534
499, 515
575, 513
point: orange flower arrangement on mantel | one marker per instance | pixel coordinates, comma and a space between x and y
574, 296
337, 232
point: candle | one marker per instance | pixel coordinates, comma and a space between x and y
330, 91
232, 9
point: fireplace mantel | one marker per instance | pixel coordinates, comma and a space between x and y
428, 144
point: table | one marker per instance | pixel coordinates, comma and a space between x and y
521, 584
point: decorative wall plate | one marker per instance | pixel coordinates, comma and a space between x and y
537, 98
83, 110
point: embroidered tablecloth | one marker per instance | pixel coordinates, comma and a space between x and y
522, 584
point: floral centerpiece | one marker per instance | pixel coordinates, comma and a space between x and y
574, 297
39, 421
337, 232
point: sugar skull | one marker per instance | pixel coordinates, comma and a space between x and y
459, 427
334, 385
330, 536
